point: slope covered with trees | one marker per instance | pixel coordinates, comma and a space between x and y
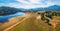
8, 10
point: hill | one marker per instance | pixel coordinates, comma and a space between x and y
8, 10
53, 8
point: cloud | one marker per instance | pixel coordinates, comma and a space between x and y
29, 3
21, 5
35, 3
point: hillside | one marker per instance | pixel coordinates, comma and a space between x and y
50, 8
8, 10
31, 24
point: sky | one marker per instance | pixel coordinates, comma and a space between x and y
29, 3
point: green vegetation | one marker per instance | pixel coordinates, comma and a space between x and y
47, 16
8, 10
53, 13
31, 24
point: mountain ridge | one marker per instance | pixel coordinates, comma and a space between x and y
4, 10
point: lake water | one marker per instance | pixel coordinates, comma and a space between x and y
5, 18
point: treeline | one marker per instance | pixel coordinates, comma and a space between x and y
53, 13
50, 15
8, 10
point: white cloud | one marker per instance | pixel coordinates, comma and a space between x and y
32, 3
35, 3
23, 5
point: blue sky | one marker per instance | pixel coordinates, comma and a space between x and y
29, 3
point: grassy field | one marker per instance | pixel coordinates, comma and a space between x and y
31, 24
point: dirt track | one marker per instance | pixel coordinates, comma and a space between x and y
12, 21
9, 23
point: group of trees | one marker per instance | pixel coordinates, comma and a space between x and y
50, 15
54, 13
8, 10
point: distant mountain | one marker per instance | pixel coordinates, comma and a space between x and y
54, 7
8, 10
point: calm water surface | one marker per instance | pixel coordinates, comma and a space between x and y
5, 18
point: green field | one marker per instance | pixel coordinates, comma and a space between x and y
32, 24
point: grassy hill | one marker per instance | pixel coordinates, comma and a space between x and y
32, 24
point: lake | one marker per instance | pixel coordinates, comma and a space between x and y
5, 18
